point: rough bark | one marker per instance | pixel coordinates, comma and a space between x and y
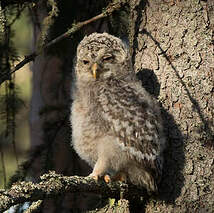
173, 53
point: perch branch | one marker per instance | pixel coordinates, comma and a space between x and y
53, 184
108, 11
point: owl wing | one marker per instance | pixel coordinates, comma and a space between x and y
134, 121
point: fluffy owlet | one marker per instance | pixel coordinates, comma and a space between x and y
116, 124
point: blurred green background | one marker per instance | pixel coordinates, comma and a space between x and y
22, 41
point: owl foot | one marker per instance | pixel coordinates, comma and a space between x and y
107, 178
95, 177
121, 176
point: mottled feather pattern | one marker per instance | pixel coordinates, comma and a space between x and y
134, 126
117, 125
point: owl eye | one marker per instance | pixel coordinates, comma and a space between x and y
108, 58
85, 61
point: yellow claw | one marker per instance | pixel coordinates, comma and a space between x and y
121, 176
95, 177
107, 178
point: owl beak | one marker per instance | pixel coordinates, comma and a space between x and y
94, 70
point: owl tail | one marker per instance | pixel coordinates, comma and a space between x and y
141, 177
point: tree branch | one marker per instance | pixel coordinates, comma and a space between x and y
5, 3
108, 11
53, 184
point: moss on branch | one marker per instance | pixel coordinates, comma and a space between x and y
53, 184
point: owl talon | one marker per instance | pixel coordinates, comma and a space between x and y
107, 178
95, 177
121, 176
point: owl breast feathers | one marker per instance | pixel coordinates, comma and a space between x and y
117, 125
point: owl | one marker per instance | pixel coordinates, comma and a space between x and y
116, 124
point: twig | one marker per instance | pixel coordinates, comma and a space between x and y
5, 3
53, 184
108, 11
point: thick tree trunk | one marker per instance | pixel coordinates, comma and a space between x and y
50, 134
173, 53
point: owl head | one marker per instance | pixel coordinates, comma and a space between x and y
100, 57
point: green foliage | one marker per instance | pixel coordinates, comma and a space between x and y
10, 101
